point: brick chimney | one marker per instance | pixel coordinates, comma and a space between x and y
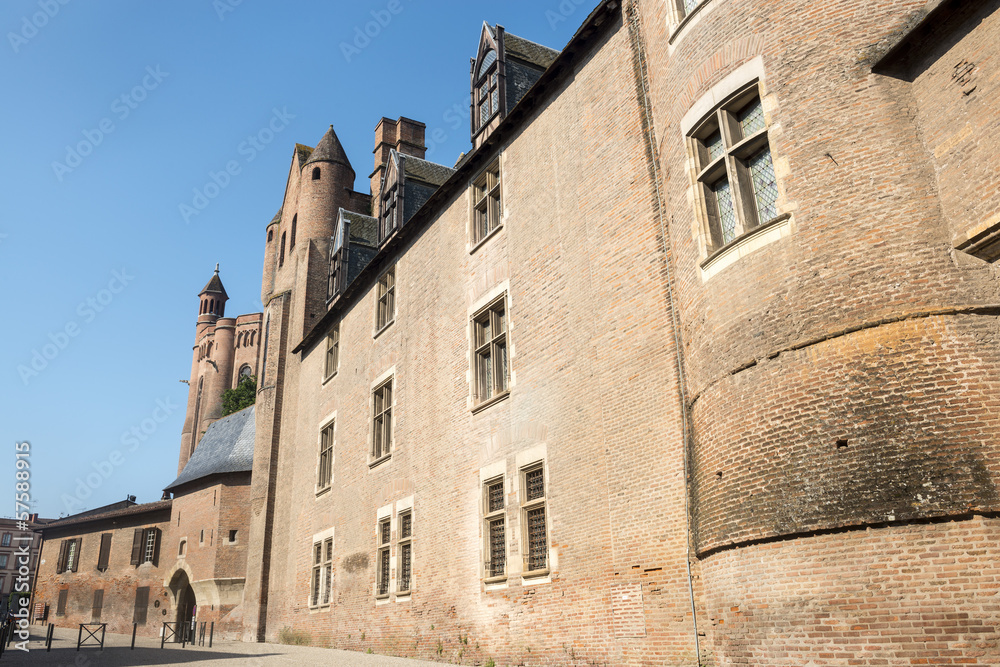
406, 136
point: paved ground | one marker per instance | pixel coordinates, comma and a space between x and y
116, 653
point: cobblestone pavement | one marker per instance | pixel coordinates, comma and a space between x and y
147, 651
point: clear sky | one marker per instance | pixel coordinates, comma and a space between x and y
115, 116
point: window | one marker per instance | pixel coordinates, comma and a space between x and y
736, 176
270, 235
69, 555
495, 528
3, 584
201, 537
141, 605
145, 546
105, 553
486, 202
332, 352
95, 612
245, 371
385, 311
325, 459
382, 559
5, 540
281, 253
3, 561
232, 536
61, 603
487, 90
535, 541
322, 574
688, 6
382, 420
291, 241
489, 334
405, 552
182, 547
316, 173
390, 216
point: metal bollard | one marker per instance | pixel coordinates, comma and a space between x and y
211, 632
48, 637
134, 626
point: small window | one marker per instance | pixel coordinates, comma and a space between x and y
295, 222
405, 552
321, 586
382, 421
5, 540
325, 459
736, 176
332, 352
245, 372
490, 361
316, 173
385, 309
495, 528
4, 558
486, 202
270, 235
232, 536
182, 548
382, 557
534, 545
145, 546
201, 536
487, 91
281, 253
61, 603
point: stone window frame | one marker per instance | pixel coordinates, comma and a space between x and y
488, 348
382, 417
530, 506
4, 560
383, 557
491, 516
321, 573
487, 204
404, 542
385, 300
5, 540
331, 359
734, 90
326, 443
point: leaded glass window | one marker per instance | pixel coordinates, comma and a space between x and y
736, 173
382, 422
486, 202
495, 529
491, 363
534, 547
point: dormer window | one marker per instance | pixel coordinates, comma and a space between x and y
389, 219
487, 88
337, 252
390, 208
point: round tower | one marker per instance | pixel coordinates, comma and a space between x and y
325, 183
270, 257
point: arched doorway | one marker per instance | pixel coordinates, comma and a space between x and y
180, 587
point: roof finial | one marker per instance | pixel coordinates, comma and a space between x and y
216, 267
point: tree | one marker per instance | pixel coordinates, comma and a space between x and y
234, 400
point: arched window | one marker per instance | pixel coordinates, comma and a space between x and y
315, 173
253, 335
208, 352
222, 309
295, 219
182, 548
211, 306
245, 371
270, 235
281, 253
239, 339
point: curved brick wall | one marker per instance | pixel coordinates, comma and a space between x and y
913, 405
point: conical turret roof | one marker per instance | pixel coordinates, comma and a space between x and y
214, 285
329, 150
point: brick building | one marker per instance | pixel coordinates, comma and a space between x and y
691, 359
14, 542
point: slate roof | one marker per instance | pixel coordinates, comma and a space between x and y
428, 172
329, 150
524, 49
215, 285
227, 446
303, 152
364, 228
276, 218
114, 513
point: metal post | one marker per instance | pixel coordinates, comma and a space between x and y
79, 637
183, 634
104, 627
211, 632
134, 626
163, 635
48, 638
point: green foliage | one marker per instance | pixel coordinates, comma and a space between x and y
234, 400
289, 636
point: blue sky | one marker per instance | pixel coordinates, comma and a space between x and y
116, 115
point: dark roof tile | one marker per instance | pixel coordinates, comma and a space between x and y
227, 446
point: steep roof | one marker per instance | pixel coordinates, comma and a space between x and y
364, 228
329, 150
276, 218
113, 511
303, 152
428, 172
528, 50
214, 285
227, 446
